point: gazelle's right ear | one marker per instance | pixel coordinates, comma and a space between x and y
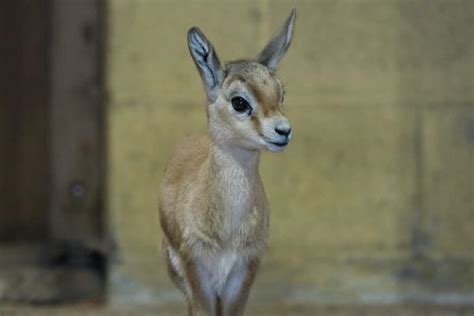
207, 62
272, 54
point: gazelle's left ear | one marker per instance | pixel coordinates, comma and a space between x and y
272, 54
207, 62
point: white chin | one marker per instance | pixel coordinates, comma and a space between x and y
274, 148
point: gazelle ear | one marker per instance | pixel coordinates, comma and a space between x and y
207, 62
272, 54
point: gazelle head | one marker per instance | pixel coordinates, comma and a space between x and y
245, 98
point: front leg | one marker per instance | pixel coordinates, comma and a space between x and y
236, 291
202, 299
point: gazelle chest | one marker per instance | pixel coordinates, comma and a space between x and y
234, 197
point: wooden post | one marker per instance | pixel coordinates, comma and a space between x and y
77, 215
77, 142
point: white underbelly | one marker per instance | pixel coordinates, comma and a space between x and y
219, 267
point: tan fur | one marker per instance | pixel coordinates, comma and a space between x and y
213, 208
199, 219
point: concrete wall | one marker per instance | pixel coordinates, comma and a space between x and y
372, 201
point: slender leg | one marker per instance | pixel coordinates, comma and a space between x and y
191, 281
175, 270
202, 299
237, 289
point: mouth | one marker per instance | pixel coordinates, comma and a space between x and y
279, 144
275, 146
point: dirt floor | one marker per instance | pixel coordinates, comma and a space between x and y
277, 310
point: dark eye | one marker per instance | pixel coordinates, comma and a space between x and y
240, 104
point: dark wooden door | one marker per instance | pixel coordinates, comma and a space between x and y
52, 151
24, 122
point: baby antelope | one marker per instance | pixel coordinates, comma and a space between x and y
213, 208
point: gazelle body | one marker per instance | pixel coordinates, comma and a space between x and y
213, 208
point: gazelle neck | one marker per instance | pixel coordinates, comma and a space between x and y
233, 176
235, 160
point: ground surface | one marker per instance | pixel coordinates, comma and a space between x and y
90, 310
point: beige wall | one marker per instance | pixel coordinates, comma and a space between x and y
372, 201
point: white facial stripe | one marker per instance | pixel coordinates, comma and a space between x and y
282, 92
268, 127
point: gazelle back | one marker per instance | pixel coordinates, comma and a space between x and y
213, 208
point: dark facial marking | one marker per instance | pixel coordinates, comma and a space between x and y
269, 103
256, 124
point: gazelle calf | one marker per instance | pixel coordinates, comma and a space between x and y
213, 208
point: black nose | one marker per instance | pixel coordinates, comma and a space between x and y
283, 131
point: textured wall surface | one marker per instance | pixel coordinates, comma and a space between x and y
373, 201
